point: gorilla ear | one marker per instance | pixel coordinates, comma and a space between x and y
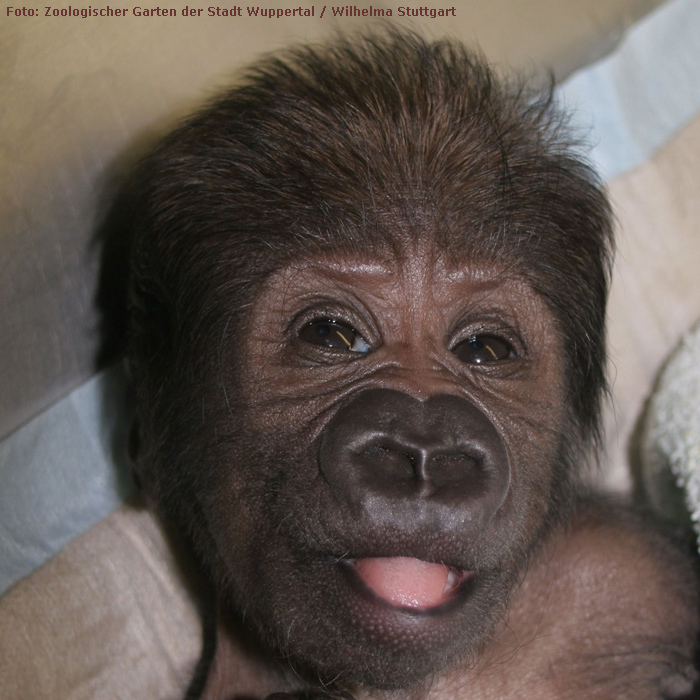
133, 453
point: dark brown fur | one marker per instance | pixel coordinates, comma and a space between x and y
322, 166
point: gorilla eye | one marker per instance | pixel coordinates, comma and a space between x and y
482, 349
332, 334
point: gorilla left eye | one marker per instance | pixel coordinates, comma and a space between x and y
482, 349
333, 334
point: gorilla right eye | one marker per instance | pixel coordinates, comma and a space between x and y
333, 334
482, 349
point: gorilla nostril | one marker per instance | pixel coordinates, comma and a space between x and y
393, 464
454, 468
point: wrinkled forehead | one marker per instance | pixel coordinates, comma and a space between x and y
421, 276
425, 251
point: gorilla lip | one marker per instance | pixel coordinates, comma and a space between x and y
409, 583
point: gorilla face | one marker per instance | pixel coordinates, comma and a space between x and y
395, 458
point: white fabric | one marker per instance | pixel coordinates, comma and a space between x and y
671, 436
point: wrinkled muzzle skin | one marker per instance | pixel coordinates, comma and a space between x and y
321, 464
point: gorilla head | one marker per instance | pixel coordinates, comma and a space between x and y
368, 295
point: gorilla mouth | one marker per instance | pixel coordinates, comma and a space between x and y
409, 583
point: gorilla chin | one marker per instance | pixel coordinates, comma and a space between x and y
327, 620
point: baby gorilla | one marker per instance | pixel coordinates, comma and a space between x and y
367, 339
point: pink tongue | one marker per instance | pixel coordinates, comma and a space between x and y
407, 582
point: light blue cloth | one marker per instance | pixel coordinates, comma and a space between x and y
64, 471
638, 97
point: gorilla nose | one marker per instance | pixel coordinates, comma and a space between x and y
438, 457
